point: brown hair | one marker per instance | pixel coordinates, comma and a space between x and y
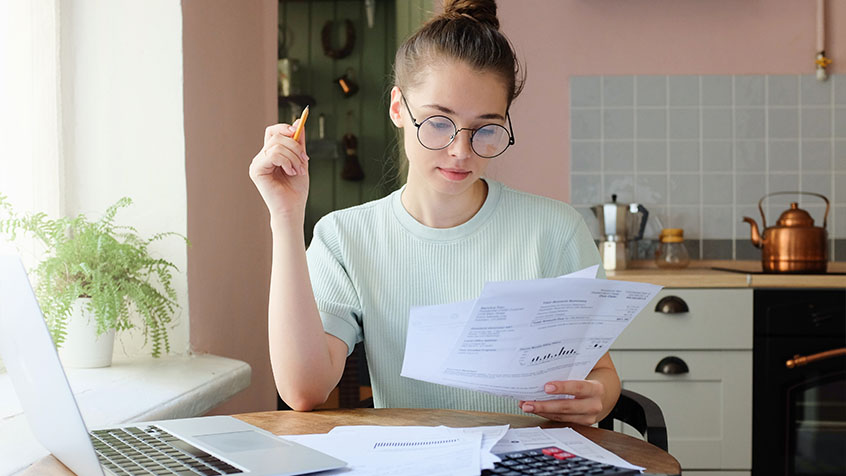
466, 31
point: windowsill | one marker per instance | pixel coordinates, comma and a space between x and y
130, 390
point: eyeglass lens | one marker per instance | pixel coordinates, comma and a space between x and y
437, 132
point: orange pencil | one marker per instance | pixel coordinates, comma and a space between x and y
301, 124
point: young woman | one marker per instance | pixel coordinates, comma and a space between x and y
438, 239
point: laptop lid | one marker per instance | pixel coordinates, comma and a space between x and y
37, 374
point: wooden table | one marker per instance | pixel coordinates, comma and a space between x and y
294, 423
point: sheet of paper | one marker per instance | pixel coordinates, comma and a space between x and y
395, 451
518, 335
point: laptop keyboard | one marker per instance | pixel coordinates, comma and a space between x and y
150, 450
552, 461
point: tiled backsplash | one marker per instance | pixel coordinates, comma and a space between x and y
699, 152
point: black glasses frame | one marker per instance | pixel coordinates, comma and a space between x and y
457, 130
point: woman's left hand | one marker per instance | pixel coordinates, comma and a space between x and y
584, 409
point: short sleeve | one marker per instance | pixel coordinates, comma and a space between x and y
334, 291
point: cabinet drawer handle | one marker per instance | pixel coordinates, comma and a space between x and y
671, 305
671, 365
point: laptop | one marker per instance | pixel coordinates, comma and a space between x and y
205, 445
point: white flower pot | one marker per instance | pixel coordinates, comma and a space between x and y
82, 347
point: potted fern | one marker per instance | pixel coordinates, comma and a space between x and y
99, 275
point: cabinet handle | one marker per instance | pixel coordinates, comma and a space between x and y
671, 365
671, 305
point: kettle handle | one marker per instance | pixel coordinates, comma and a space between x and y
645, 212
764, 219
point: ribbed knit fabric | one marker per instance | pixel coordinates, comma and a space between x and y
371, 263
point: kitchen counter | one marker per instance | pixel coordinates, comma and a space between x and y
700, 274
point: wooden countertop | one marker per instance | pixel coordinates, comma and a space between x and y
700, 274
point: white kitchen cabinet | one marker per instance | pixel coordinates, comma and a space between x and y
708, 406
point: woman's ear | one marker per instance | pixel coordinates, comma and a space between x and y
395, 109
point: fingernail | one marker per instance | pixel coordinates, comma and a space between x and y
549, 388
528, 408
304, 156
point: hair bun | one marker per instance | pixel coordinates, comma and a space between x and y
483, 11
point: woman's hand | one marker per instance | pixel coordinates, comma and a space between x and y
585, 409
280, 171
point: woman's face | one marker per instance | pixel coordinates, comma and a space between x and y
470, 99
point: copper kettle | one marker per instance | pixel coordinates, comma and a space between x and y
794, 244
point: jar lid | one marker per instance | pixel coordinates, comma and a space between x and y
671, 235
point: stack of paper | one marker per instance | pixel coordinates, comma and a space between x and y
442, 451
519, 335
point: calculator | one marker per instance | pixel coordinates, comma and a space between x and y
549, 461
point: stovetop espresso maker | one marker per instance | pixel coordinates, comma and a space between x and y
619, 223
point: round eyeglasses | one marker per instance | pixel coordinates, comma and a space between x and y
438, 132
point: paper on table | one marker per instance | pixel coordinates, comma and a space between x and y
399, 451
521, 334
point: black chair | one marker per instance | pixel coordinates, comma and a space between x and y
642, 414
632, 408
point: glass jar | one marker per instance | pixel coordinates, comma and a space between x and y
671, 252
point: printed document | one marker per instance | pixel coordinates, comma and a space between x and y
518, 335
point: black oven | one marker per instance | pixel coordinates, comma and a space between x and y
799, 383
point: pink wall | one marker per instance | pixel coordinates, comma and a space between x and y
230, 97
562, 38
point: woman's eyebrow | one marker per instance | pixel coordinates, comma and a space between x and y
447, 110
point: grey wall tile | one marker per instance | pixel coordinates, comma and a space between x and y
651, 90
618, 91
816, 155
717, 222
658, 219
745, 250
749, 123
684, 189
814, 92
839, 81
716, 249
585, 124
840, 228
716, 90
717, 189
749, 188
618, 123
651, 188
840, 189
619, 156
684, 123
717, 156
585, 189
816, 123
783, 123
817, 183
783, 90
651, 156
716, 124
585, 91
651, 123
840, 156
749, 90
839, 250
817, 212
686, 218
586, 157
620, 184
750, 156
839, 126
684, 90
784, 155
684, 156
783, 182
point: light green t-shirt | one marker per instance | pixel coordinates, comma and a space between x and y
370, 264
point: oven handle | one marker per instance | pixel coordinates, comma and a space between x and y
798, 360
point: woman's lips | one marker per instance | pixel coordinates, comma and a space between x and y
455, 174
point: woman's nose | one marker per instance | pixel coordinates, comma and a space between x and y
461, 146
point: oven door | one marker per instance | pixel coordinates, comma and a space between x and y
816, 423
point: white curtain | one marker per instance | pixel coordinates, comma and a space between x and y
31, 167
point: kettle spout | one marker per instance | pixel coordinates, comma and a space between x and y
756, 237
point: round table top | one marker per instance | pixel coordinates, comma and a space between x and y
633, 450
